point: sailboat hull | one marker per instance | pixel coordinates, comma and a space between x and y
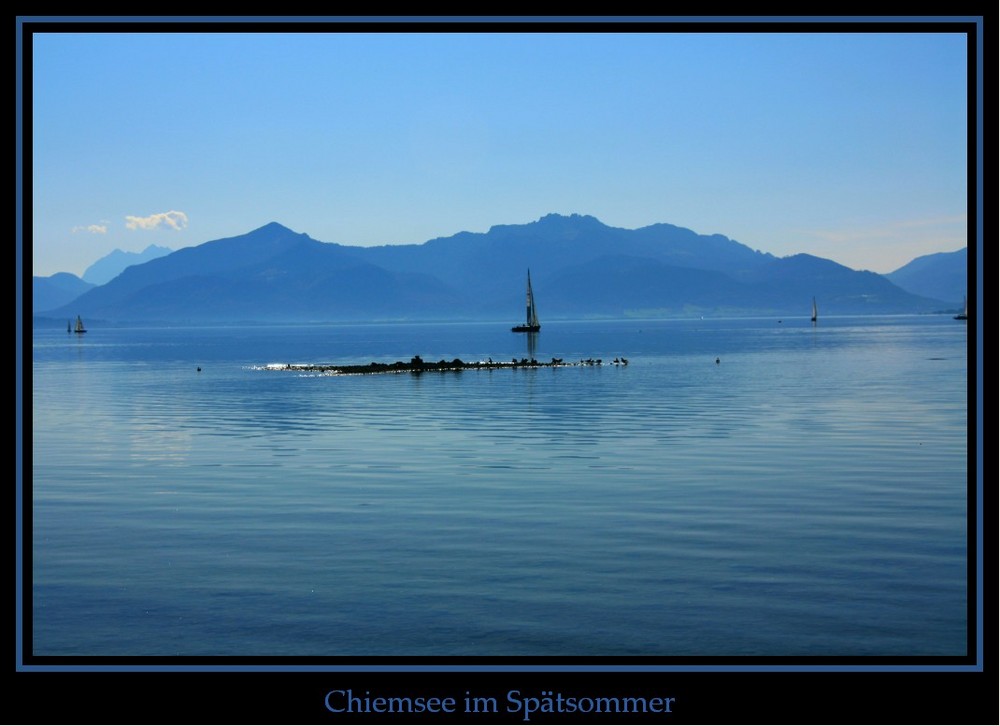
526, 328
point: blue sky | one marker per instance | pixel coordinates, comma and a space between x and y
847, 146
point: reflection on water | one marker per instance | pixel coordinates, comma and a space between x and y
804, 496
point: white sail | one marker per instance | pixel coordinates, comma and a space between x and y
532, 312
531, 324
814, 310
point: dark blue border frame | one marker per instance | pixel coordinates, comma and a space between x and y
25, 25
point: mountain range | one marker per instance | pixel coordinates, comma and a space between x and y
944, 275
56, 290
579, 267
111, 265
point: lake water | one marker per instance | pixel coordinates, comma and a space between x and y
804, 496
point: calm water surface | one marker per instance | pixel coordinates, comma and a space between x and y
804, 496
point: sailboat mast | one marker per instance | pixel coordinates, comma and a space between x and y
530, 304
530, 313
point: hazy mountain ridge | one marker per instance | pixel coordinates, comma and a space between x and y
56, 290
271, 273
112, 264
488, 266
943, 275
120, 297
632, 285
579, 265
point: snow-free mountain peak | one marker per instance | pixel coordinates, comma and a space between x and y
579, 267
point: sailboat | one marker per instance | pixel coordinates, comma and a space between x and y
79, 326
964, 315
814, 311
531, 324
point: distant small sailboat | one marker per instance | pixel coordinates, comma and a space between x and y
531, 324
69, 327
964, 315
79, 326
814, 311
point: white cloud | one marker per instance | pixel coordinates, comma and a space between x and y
92, 228
176, 220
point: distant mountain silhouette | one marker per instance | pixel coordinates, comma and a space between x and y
271, 273
111, 265
488, 267
839, 289
627, 285
579, 265
56, 290
944, 275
